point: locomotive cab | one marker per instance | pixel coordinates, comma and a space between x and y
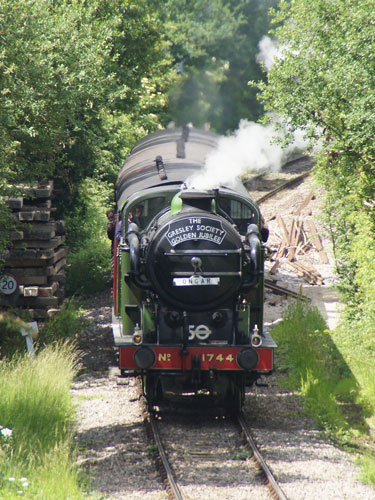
188, 287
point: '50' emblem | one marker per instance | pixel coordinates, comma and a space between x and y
202, 332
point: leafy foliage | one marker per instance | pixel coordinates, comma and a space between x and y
71, 74
89, 262
323, 83
66, 323
315, 367
80, 82
214, 46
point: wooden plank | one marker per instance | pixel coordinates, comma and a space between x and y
16, 235
42, 215
59, 254
34, 215
25, 216
291, 250
30, 291
59, 277
284, 229
15, 203
32, 234
295, 239
304, 204
309, 273
30, 257
32, 280
48, 291
275, 267
273, 217
43, 190
60, 227
38, 314
21, 272
59, 266
42, 244
298, 232
32, 205
38, 302
314, 235
316, 241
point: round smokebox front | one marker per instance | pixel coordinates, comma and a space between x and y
194, 261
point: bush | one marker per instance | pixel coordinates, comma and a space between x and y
89, 261
315, 367
66, 323
11, 340
89, 269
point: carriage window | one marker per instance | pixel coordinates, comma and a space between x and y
144, 211
239, 212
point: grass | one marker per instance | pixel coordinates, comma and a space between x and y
37, 450
66, 323
337, 387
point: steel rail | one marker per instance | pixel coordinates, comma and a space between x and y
172, 485
276, 491
284, 291
286, 185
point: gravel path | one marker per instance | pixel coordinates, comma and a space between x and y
112, 441
113, 446
115, 451
307, 466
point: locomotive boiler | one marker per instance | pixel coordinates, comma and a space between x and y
188, 276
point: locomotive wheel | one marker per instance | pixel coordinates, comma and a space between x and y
235, 396
228, 393
153, 390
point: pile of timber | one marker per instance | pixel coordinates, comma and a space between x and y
296, 240
37, 257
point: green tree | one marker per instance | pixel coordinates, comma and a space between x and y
80, 81
214, 46
323, 82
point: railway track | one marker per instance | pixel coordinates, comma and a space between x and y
280, 290
191, 452
286, 185
203, 450
303, 163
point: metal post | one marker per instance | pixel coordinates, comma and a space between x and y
27, 331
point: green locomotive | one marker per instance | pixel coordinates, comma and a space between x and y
188, 275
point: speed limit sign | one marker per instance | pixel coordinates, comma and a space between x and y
8, 284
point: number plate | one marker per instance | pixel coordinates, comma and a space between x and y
196, 281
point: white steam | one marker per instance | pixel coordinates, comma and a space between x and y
252, 148
269, 51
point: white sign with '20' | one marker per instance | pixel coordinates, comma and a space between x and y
8, 284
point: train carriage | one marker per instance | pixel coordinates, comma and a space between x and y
188, 276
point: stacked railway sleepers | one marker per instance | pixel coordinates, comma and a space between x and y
37, 257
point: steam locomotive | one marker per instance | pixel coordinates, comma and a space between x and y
188, 276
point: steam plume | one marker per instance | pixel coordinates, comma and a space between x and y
269, 51
251, 148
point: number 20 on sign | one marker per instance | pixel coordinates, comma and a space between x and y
8, 284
